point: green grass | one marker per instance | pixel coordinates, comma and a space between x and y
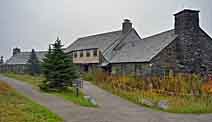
17, 108
35, 81
68, 95
177, 104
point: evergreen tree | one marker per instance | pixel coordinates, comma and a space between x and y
2, 60
33, 64
58, 68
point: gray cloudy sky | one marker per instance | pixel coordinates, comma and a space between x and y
36, 23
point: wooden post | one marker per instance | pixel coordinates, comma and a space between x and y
77, 91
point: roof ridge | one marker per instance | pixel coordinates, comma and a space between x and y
121, 36
99, 34
31, 51
119, 39
160, 33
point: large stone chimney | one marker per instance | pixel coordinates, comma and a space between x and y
126, 26
186, 20
189, 53
16, 51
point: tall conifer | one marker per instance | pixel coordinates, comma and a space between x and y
58, 68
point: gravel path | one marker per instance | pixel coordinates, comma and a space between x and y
112, 108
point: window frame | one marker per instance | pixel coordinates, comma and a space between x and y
95, 52
81, 54
88, 53
75, 55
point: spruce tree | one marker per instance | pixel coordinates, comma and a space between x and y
58, 68
33, 64
2, 60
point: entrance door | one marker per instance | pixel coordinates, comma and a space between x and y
86, 67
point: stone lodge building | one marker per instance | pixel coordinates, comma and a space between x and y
186, 48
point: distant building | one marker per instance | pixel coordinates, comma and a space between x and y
186, 48
20, 57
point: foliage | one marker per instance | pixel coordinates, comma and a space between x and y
58, 68
1, 60
68, 94
15, 107
33, 64
207, 87
183, 91
178, 83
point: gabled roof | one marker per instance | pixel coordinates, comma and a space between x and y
100, 41
130, 35
143, 50
23, 57
134, 49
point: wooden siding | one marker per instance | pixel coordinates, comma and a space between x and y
86, 59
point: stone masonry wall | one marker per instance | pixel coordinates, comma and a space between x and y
166, 59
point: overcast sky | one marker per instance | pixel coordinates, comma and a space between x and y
31, 24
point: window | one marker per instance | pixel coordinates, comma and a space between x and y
81, 53
88, 53
75, 54
95, 52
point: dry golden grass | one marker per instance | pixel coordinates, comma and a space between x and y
4, 88
16, 108
182, 91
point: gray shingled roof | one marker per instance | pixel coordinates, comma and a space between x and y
100, 41
135, 50
125, 38
22, 57
143, 50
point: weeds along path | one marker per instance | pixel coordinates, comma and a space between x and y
111, 108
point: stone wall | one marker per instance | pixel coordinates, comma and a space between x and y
138, 69
166, 59
160, 65
194, 49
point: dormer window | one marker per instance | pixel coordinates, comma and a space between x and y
95, 52
81, 53
88, 53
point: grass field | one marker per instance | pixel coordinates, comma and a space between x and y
17, 108
67, 94
177, 104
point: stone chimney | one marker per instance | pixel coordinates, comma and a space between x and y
126, 26
16, 51
189, 53
186, 20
